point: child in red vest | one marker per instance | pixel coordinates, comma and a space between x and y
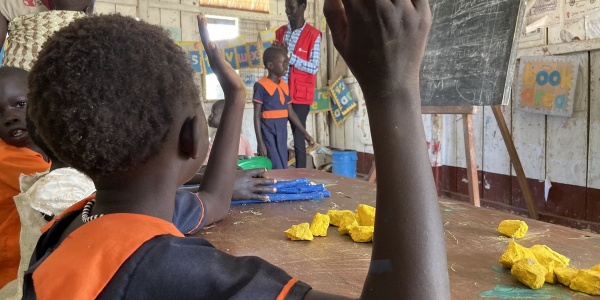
273, 109
149, 136
18, 155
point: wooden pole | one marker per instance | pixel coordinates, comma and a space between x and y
516, 162
471, 161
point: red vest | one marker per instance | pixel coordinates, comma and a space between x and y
302, 84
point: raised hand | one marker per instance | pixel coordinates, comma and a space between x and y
230, 81
382, 41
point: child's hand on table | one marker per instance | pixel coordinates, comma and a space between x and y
252, 184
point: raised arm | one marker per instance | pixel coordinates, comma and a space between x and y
217, 185
409, 258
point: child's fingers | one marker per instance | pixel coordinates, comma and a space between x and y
203, 29
264, 198
335, 14
264, 189
264, 181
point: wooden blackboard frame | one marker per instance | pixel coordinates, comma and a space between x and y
439, 85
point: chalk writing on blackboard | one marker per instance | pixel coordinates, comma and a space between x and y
471, 52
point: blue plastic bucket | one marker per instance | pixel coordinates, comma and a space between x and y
344, 162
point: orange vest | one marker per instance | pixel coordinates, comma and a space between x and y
302, 84
86, 261
14, 161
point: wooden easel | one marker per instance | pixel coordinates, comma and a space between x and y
467, 113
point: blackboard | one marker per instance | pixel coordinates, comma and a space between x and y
471, 52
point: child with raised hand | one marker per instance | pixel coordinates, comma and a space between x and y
18, 155
408, 259
273, 108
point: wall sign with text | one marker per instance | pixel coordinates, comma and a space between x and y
547, 85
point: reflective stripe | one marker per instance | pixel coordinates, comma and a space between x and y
275, 114
286, 289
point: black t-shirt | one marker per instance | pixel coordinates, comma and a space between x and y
170, 267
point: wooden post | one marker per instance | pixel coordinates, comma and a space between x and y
516, 162
467, 112
471, 161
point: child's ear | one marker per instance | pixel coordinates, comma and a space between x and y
269, 65
189, 137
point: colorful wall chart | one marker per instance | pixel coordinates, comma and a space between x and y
342, 101
547, 85
322, 101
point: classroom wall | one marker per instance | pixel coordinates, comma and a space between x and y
555, 151
179, 17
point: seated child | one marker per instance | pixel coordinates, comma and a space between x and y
18, 155
43, 195
11, 9
28, 33
214, 119
123, 245
272, 109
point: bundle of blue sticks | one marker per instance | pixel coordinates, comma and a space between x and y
292, 190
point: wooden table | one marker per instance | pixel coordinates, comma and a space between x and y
338, 265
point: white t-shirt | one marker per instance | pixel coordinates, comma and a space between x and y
49, 193
11, 9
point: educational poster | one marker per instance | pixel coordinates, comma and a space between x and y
195, 53
230, 57
196, 60
578, 9
241, 53
322, 101
546, 85
206, 64
255, 55
336, 114
267, 37
342, 97
248, 55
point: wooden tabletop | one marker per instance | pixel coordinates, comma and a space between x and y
336, 264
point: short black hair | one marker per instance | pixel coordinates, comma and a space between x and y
300, 2
219, 104
104, 92
273, 52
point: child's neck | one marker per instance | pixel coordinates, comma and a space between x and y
274, 77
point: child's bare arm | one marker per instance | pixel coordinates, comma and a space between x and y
293, 117
262, 150
409, 258
217, 185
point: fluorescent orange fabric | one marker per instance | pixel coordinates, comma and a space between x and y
271, 87
286, 289
275, 114
90, 256
14, 161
